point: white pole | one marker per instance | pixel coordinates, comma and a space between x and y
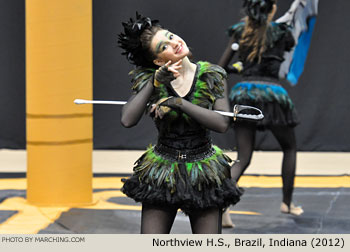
82, 101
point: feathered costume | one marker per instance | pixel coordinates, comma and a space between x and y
184, 169
261, 86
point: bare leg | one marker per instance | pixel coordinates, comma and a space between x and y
206, 221
226, 219
157, 220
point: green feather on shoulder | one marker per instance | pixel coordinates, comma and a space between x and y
140, 77
211, 81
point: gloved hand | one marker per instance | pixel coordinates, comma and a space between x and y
238, 66
172, 102
164, 76
167, 73
159, 109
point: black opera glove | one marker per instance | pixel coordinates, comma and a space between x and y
163, 76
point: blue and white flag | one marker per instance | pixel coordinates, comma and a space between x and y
301, 17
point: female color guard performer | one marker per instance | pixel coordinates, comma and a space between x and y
261, 46
184, 170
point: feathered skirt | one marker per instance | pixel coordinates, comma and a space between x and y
271, 98
185, 181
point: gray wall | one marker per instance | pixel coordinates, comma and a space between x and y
12, 74
321, 96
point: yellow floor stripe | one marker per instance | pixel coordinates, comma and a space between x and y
16, 184
244, 212
253, 181
245, 181
30, 219
107, 182
300, 181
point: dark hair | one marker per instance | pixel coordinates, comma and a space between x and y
136, 40
146, 39
258, 10
256, 25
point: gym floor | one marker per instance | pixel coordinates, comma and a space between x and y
325, 199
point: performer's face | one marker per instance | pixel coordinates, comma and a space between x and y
168, 46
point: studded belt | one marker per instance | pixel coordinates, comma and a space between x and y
185, 155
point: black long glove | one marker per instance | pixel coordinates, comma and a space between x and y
208, 118
135, 107
227, 56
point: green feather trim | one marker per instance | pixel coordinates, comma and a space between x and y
210, 84
189, 167
156, 170
140, 77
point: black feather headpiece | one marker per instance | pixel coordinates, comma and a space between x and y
258, 10
130, 41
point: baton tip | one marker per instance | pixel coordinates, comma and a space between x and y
78, 101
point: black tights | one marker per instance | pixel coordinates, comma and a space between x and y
159, 220
245, 137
